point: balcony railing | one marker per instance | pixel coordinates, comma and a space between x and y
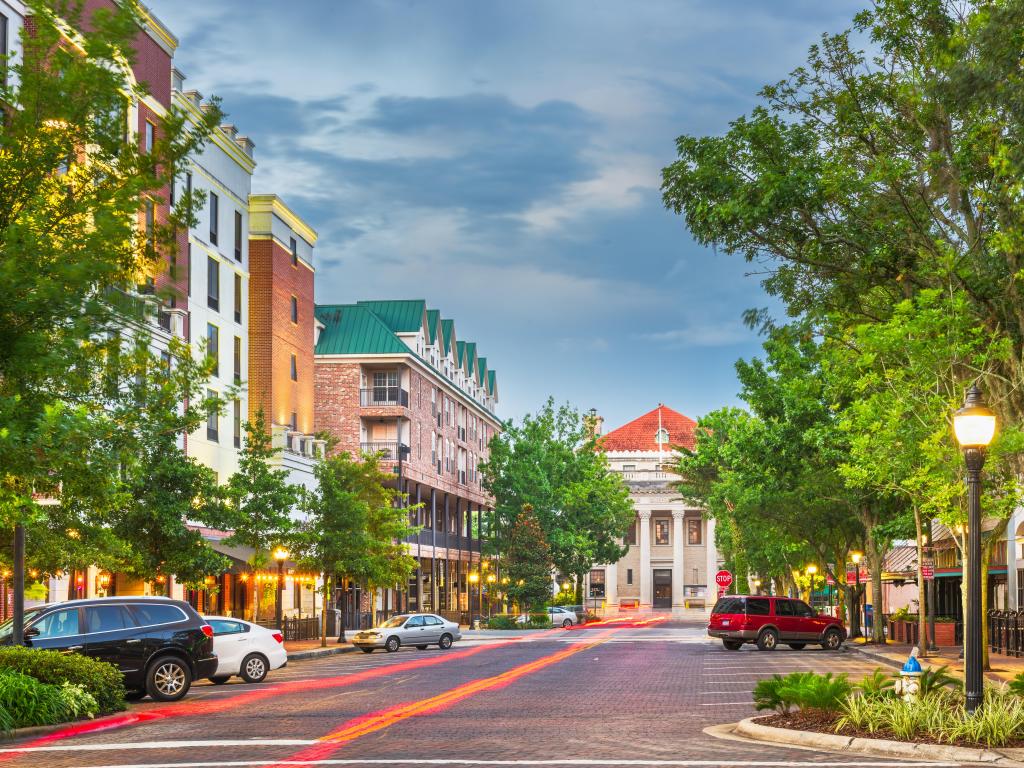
388, 449
384, 396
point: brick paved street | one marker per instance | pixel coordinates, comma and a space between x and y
601, 695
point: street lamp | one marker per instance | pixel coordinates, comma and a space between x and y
491, 578
856, 557
930, 594
756, 584
474, 577
280, 554
811, 570
974, 426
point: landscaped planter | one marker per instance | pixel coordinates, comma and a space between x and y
903, 631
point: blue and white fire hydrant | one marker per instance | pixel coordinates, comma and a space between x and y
909, 683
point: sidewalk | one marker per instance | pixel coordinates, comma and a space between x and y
311, 649
1003, 667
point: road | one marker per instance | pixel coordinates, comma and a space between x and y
598, 695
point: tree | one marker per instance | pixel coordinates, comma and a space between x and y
260, 498
162, 400
72, 187
528, 561
352, 526
552, 461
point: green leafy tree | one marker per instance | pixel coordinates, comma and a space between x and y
260, 498
552, 461
528, 562
162, 400
72, 189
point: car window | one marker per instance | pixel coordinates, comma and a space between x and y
58, 624
432, 621
758, 606
394, 621
107, 618
802, 609
148, 614
224, 627
729, 605
415, 621
784, 608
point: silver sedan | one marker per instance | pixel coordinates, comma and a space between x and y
418, 630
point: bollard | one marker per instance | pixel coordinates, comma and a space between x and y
909, 683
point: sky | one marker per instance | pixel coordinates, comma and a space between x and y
502, 161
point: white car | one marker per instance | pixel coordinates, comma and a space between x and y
245, 649
559, 617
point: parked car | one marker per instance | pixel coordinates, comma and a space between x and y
245, 649
418, 630
559, 616
768, 621
160, 645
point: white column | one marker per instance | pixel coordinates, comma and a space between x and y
678, 572
611, 588
645, 559
1011, 560
712, 563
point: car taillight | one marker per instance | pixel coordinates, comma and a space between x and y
207, 630
279, 637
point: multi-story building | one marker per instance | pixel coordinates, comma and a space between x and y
391, 377
672, 553
282, 332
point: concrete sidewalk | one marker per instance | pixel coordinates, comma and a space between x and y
1003, 668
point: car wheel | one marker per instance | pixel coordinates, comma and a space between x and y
832, 640
254, 668
220, 679
445, 642
567, 623
797, 646
421, 647
134, 695
767, 640
392, 644
732, 645
168, 679
366, 650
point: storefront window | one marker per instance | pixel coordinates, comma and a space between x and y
597, 582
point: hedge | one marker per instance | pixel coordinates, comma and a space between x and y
103, 681
24, 702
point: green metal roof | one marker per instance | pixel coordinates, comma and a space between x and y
352, 329
492, 382
460, 353
447, 334
471, 362
433, 322
405, 316
481, 371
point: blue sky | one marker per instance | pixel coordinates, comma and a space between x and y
502, 160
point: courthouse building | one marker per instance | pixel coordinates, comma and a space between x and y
672, 560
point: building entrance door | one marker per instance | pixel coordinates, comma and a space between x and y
662, 588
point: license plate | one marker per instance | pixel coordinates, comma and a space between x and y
725, 622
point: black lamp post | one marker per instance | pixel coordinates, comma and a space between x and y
974, 426
856, 557
280, 554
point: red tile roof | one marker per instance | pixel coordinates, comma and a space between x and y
639, 434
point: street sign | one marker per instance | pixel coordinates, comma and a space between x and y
723, 579
928, 570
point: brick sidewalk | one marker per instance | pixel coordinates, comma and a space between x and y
893, 654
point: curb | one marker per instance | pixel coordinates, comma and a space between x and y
316, 653
875, 656
45, 730
874, 747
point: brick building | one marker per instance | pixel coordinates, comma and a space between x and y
392, 377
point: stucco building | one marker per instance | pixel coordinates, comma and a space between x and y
392, 377
672, 554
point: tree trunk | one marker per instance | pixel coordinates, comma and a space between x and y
875, 553
922, 626
323, 612
995, 536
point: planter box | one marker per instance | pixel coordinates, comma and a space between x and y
904, 632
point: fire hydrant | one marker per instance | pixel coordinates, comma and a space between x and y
909, 683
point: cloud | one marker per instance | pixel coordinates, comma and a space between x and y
701, 334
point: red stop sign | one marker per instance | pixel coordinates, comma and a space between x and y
723, 579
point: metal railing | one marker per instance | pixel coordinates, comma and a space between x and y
1006, 632
384, 396
389, 449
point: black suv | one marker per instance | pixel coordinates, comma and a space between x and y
160, 645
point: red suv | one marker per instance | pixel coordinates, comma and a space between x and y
768, 621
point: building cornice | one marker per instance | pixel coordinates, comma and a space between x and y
263, 207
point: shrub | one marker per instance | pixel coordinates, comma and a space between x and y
1017, 684
803, 690
876, 685
30, 702
78, 701
933, 680
503, 621
103, 681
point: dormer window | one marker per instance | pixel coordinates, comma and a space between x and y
661, 436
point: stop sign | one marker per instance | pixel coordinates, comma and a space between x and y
723, 579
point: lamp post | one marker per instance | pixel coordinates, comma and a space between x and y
491, 578
856, 557
756, 584
474, 577
280, 554
811, 570
974, 426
